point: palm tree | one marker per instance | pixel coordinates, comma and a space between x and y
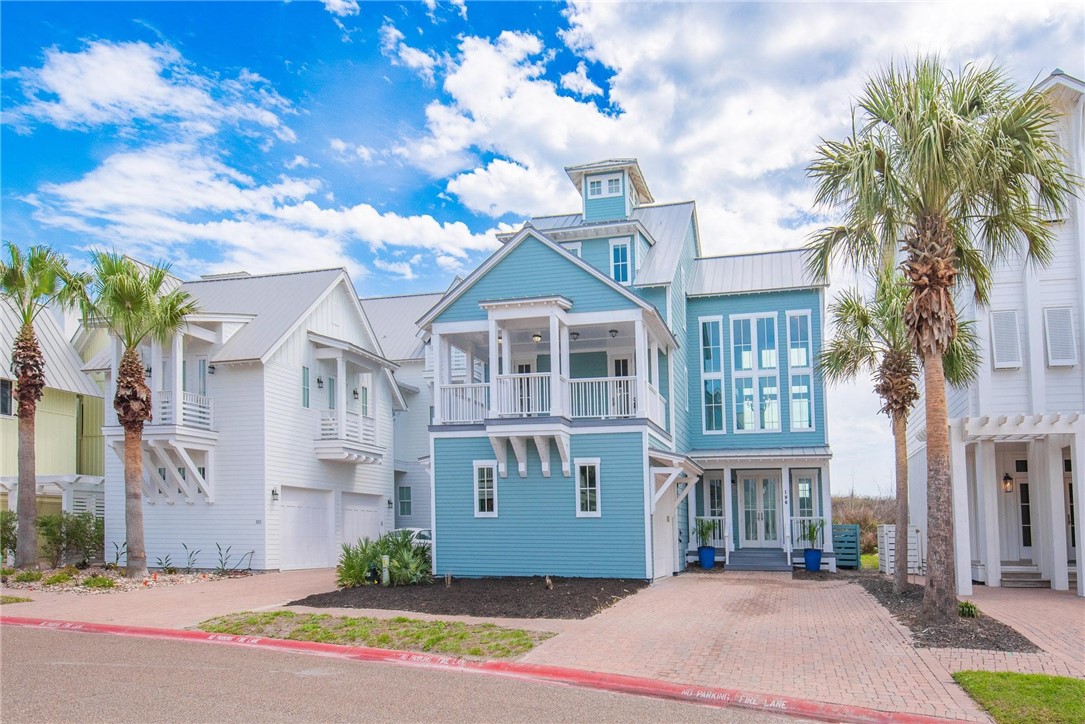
28, 283
871, 336
954, 171
135, 303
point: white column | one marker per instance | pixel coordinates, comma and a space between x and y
556, 394
158, 374
341, 396
566, 370
506, 352
653, 363
435, 344
1060, 580
493, 367
178, 386
988, 484
827, 507
1077, 467
728, 524
785, 498
962, 546
641, 355
1038, 506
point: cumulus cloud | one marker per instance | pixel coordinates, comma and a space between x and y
578, 82
346, 151
421, 62
342, 8
502, 187
120, 84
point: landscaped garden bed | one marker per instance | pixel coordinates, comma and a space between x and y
520, 597
97, 579
444, 637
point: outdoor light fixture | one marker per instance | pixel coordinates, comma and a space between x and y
536, 338
1007, 483
574, 336
320, 383
355, 393
210, 369
389, 504
147, 371
613, 333
274, 495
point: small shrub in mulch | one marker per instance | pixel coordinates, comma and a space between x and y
512, 597
981, 632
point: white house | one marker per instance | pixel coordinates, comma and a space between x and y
1018, 433
272, 429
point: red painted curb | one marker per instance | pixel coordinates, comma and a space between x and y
710, 696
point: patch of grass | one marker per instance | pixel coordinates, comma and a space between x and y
869, 561
443, 637
1019, 698
15, 599
57, 579
27, 576
99, 582
6, 571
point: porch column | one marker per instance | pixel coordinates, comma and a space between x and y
555, 366
566, 371
494, 350
827, 507
1042, 554
1060, 579
67, 496
341, 396
641, 354
987, 482
785, 496
1077, 468
435, 343
506, 352
178, 386
728, 524
962, 545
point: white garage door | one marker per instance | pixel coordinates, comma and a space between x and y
308, 529
664, 532
361, 517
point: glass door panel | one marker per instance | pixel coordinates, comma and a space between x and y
768, 510
749, 510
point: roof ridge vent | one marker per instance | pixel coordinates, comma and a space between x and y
227, 275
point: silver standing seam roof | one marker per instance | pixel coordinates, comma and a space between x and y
749, 273
393, 321
63, 368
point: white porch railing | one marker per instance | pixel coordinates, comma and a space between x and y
523, 395
718, 539
357, 427
603, 397
196, 410
799, 526
657, 407
465, 403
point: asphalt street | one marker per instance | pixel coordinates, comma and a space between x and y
68, 676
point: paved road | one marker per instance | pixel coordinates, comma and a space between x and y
70, 676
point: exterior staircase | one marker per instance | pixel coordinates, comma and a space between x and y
758, 559
1025, 576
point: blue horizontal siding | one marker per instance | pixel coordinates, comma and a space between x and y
536, 531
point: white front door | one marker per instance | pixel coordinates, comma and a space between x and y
622, 405
664, 535
760, 511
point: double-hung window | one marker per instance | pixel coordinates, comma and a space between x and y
486, 489
800, 369
595, 187
712, 374
755, 372
405, 500
619, 260
331, 393
6, 406
587, 488
305, 387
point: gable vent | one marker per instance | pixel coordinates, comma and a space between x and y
1061, 345
1005, 340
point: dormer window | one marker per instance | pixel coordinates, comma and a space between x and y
595, 188
614, 186
602, 187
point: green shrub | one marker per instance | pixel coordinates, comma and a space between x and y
967, 609
57, 578
77, 534
8, 527
27, 576
408, 564
99, 582
6, 571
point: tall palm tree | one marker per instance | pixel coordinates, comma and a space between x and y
135, 303
954, 171
28, 283
871, 336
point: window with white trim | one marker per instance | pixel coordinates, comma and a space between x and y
1061, 342
619, 260
486, 489
595, 187
756, 378
331, 392
713, 421
404, 500
800, 371
7, 406
1005, 339
573, 248
587, 488
614, 186
305, 386
601, 187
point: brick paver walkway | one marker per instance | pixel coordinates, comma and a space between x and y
765, 632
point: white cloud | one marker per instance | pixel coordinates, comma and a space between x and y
392, 46
578, 82
121, 83
502, 187
299, 161
459, 5
402, 269
342, 8
346, 151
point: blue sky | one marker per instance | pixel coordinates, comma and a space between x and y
396, 138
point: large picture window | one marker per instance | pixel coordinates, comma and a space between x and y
756, 380
712, 375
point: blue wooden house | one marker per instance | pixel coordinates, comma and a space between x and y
614, 385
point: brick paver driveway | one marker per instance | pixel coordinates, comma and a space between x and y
765, 632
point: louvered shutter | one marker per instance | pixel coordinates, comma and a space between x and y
1061, 344
1005, 339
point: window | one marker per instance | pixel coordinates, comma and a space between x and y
712, 374
1061, 345
305, 387
805, 496
331, 393
595, 188
757, 395
798, 340
619, 260
800, 370
485, 489
614, 186
605, 186
573, 248
405, 500
1026, 517
587, 488
801, 417
363, 400
6, 406
1005, 340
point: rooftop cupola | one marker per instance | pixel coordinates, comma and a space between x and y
610, 189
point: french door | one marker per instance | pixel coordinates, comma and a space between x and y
759, 493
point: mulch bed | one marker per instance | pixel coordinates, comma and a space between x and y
801, 574
513, 597
982, 632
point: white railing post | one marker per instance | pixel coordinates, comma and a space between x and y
435, 343
341, 393
729, 540
641, 364
493, 367
555, 366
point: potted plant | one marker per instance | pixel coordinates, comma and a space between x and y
706, 553
811, 535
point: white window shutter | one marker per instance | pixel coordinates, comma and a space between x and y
1061, 344
1005, 340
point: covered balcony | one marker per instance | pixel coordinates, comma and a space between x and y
346, 386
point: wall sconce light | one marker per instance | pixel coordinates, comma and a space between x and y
274, 495
613, 333
1007, 483
320, 383
389, 504
210, 369
574, 336
147, 371
536, 338
355, 393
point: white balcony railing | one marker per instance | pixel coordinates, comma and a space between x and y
799, 528
465, 403
657, 407
357, 428
718, 539
196, 410
524, 395
603, 397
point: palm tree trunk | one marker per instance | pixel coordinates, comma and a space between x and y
136, 566
900, 546
940, 596
26, 547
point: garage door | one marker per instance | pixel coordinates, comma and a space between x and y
361, 517
664, 540
308, 529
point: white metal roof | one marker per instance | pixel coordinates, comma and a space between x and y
749, 273
393, 320
63, 368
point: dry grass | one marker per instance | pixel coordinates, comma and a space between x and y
868, 513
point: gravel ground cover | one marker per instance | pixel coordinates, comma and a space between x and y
75, 581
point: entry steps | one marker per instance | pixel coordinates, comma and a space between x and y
758, 559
